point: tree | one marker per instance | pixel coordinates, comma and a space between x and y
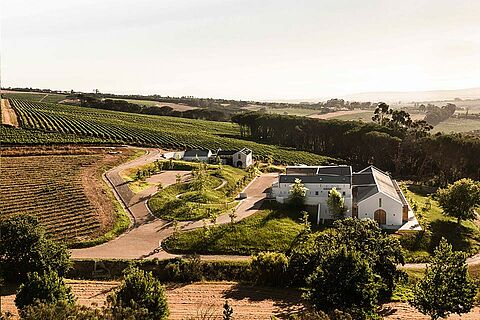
24, 248
227, 311
446, 287
159, 187
232, 214
44, 288
345, 281
298, 192
270, 268
382, 252
178, 178
459, 199
382, 113
336, 204
140, 290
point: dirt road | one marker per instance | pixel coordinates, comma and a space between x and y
144, 239
9, 117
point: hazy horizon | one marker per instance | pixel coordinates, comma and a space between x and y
241, 49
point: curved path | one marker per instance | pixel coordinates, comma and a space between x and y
143, 239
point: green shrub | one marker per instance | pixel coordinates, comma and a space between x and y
45, 288
185, 270
270, 268
140, 290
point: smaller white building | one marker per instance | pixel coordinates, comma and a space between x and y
197, 155
242, 158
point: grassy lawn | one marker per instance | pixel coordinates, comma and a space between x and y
293, 111
457, 125
266, 230
464, 237
204, 196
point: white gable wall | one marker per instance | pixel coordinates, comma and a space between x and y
393, 208
246, 159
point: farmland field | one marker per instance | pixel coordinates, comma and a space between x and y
457, 125
63, 188
104, 126
293, 111
150, 103
34, 96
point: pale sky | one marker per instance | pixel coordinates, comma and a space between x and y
244, 49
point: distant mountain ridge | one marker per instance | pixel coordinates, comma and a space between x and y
396, 96
408, 96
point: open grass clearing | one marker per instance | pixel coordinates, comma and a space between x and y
435, 225
151, 103
266, 230
457, 125
293, 111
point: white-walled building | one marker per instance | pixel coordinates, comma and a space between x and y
197, 155
242, 158
370, 193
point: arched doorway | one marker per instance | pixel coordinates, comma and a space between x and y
380, 216
239, 164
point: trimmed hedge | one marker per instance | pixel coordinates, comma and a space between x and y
172, 270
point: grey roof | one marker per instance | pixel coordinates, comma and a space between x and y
363, 178
196, 153
320, 170
372, 180
302, 170
226, 152
246, 151
364, 192
322, 178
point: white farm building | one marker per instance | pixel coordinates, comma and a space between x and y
370, 193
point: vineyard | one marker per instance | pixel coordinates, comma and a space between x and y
101, 126
52, 188
34, 96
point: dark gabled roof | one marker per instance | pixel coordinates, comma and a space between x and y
246, 151
302, 170
320, 170
226, 152
335, 170
196, 153
364, 192
322, 178
372, 180
363, 178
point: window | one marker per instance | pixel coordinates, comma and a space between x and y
316, 193
343, 193
379, 202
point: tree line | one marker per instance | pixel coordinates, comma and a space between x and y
393, 142
125, 106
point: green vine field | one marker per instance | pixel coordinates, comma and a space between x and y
75, 124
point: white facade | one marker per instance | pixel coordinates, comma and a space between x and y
197, 155
369, 193
381, 201
243, 158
